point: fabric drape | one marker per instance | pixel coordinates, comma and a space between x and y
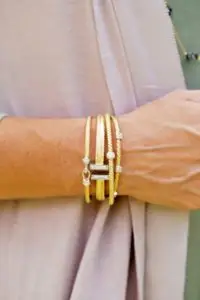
76, 58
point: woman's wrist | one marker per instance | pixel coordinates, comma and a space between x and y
47, 157
93, 133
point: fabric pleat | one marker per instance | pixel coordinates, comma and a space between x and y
77, 58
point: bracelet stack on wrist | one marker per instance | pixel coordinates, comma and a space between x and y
103, 170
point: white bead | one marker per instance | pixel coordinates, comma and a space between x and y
86, 182
110, 155
118, 169
115, 194
86, 160
119, 136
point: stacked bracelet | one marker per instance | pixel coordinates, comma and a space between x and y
118, 167
86, 160
110, 156
107, 164
99, 160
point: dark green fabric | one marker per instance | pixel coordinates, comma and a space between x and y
186, 16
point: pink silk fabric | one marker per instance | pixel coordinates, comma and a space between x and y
76, 58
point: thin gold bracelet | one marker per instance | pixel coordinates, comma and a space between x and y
99, 159
86, 160
118, 167
110, 156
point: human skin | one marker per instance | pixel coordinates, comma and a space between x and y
162, 151
43, 157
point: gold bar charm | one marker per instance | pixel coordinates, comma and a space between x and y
100, 177
96, 167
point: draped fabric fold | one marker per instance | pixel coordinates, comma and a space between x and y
75, 58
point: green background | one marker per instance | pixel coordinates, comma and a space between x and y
186, 17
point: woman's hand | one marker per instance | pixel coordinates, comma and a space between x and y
161, 151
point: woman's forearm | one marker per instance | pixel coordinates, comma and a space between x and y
41, 157
160, 157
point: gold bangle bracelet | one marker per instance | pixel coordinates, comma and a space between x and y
99, 159
110, 156
118, 167
86, 160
